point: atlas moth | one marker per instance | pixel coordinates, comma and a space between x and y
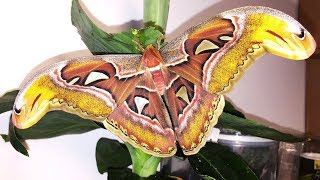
169, 96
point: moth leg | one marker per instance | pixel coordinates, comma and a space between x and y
160, 40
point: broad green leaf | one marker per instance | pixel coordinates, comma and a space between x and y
113, 157
218, 162
53, 124
5, 137
249, 127
101, 42
149, 36
207, 178
57, 123
307, 177
122, 174
15, 142
111, 154
179, 154
98, 41
229, 108
7, 101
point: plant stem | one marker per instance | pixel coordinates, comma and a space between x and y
143, 164
155, 13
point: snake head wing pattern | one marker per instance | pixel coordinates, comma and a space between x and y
219, 50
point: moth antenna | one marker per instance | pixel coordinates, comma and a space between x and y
139, 46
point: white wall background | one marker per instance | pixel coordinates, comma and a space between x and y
35, 30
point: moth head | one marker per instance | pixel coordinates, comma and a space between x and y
280, 34
151, 57
32, 102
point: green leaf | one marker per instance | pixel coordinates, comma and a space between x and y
218, 162
53, 124
57, 123
149, 36
101, 42
7, 101
249, 127
119, 174
5, 137
111, 154
229, 108
98, 41
14, 140
113, 157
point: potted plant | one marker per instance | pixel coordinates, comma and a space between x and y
209, 161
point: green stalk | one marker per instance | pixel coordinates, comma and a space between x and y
143, 164
155, 13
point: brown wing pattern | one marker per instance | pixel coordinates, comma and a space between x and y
139, 115
105, 75
193, 112
144, 120
190, 54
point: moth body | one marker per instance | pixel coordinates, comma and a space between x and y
154, 64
